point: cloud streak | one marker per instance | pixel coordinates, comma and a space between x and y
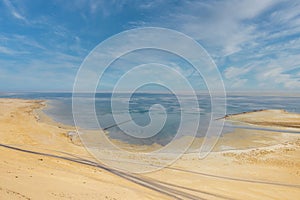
254, 43
14, 11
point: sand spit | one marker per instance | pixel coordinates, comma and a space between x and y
272, 118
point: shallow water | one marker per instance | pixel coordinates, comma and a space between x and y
61, 110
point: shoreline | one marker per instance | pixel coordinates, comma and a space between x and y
63, 179
21, 171
268, 118
237, 118
146, 148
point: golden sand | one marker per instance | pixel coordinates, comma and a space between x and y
272, 118
43, 165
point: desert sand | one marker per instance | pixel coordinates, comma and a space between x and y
272, 118
39, 161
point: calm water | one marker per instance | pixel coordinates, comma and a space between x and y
61, 110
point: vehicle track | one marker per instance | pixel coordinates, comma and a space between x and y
156, 185
150, 184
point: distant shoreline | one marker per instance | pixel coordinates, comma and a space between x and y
228, 93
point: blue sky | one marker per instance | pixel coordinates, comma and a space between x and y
255, 43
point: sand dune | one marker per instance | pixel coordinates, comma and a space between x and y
38, 161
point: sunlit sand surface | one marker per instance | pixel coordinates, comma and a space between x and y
40, 161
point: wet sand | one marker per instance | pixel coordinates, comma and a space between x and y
39, 161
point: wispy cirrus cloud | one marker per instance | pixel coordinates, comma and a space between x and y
253, 36
5, 50
225, 26
233, 72
252, 42
278, 75
14, 12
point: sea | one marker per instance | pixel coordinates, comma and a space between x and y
139, 104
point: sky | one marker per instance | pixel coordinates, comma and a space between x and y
254, 43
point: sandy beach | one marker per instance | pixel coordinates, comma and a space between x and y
39, 161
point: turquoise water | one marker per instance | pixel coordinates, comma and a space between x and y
61, 110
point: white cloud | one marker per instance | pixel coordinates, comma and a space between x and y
14, 11
278, 75
288, 15
220, 24
238, 83
256, 39
36, 74
235, 72
234, 77
10, 51
25, 40
5, 50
